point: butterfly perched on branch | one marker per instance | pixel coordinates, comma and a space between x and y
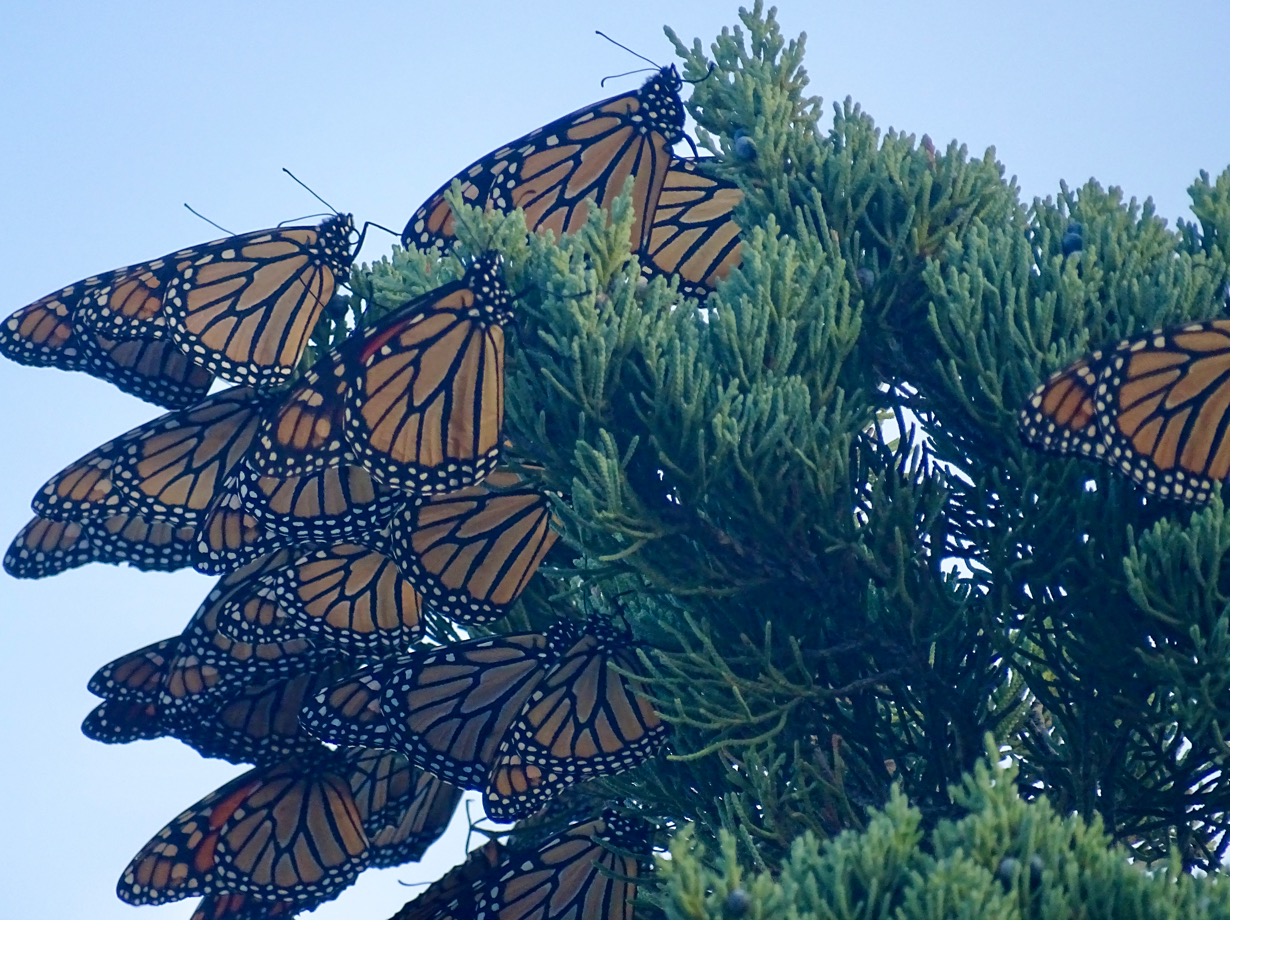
241, 308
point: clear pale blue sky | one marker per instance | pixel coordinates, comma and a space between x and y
115, 114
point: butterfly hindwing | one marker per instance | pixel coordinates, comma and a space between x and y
290, 831
1158, 407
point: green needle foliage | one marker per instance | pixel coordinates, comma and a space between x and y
846, 573
1000, 858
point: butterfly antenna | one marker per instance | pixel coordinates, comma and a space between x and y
628, 49
305, 216
365, 229
308, 189
711, 68
192, 209
615, 76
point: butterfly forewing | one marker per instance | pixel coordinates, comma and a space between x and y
555, 174
245, 307
471, 553
425, 409
694, 236
450, 709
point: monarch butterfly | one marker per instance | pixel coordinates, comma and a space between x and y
447, 709
245, 306
262, 644
425, 405
169, 469
47, 333
521, 716
694, 236
46, 547
555, 173
241, 307
1158, 407
345, 596
137, 675
404, 810
583, 721
161, 673
455, 896
255, 724
588, 872
175, 466
290, 831
472, 552
124, 721
180, 668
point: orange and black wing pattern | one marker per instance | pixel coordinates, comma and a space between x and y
231, 535
173, 468
244, 307
694, 237
241, 308
289, 832
241, 906
456, 895
350, 712
425, 406
556, 173
1157, 407
472, 552
152, 370
46, 547
350, 597
588, 872
404, 809
447, 709
257, 723
304, 434
169, 469
587, 719
59, 330
335, 503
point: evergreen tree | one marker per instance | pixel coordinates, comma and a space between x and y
846, 572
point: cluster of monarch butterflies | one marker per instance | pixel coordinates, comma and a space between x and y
1157, 407
340, 507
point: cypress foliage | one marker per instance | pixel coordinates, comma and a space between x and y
811, 504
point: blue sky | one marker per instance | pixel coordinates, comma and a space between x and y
117, 114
